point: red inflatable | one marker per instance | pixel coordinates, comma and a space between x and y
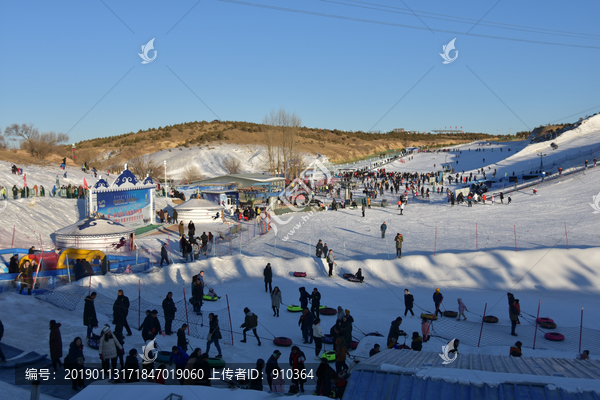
554, 336
328, 311
539, 320
282, 341
490, 319
300, 274
353, 345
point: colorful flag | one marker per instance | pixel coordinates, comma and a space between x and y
25, 179
85, 185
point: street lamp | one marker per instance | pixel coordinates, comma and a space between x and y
541, 161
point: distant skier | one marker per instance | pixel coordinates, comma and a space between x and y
383, 228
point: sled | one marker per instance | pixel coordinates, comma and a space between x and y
430, 317
300, 274
296, 308
209, 298
94, 341
215, 362
351, 278
554, 336
282, 341
328, 311
451, 314
329, 356
490, 319
163, 357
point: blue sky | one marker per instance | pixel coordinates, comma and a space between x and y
345, 70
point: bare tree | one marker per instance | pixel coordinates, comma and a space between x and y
232, 165
192, 173
39, 145
141, 165
281, 146
3, 142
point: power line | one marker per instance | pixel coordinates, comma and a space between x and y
471, 20
391, 24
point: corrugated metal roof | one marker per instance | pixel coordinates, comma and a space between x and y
588, 369
379, 385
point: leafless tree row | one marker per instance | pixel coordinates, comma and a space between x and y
39, 145
283, 154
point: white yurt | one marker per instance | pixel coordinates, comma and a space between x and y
92, 234
197, 210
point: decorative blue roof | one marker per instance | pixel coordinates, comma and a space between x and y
101, 183
126, 176
148, 181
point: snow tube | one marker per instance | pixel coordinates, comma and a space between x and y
541, 319
554, 336
94, 341
328, 311
374, 334
294, 308
429, 316
353, 345
209, 298
451, 314
282, 341
401, 347
327, 339
329, 356
300, 274
547, 325
490, 319
163, 357
351, 278
216, 362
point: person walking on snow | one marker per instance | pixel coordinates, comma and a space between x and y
276, 301
398, 239
513, 313
317, 336
461, 309
89, 314
268, 274
362, 208
437, 300
56, 349
169, 310
304, 296
305, 323
401, 208
250, 323
383, 228
319, 249
330, 261
408, 303
315, 299
164, 254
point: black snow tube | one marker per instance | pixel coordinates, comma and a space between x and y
351, 278
282, 341
548, 325
554, 336
451, 314
490, 319
328, 311
374, 334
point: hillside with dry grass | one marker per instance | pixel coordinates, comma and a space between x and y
337, 145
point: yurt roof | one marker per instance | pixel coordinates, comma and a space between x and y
194, 204
94, 227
